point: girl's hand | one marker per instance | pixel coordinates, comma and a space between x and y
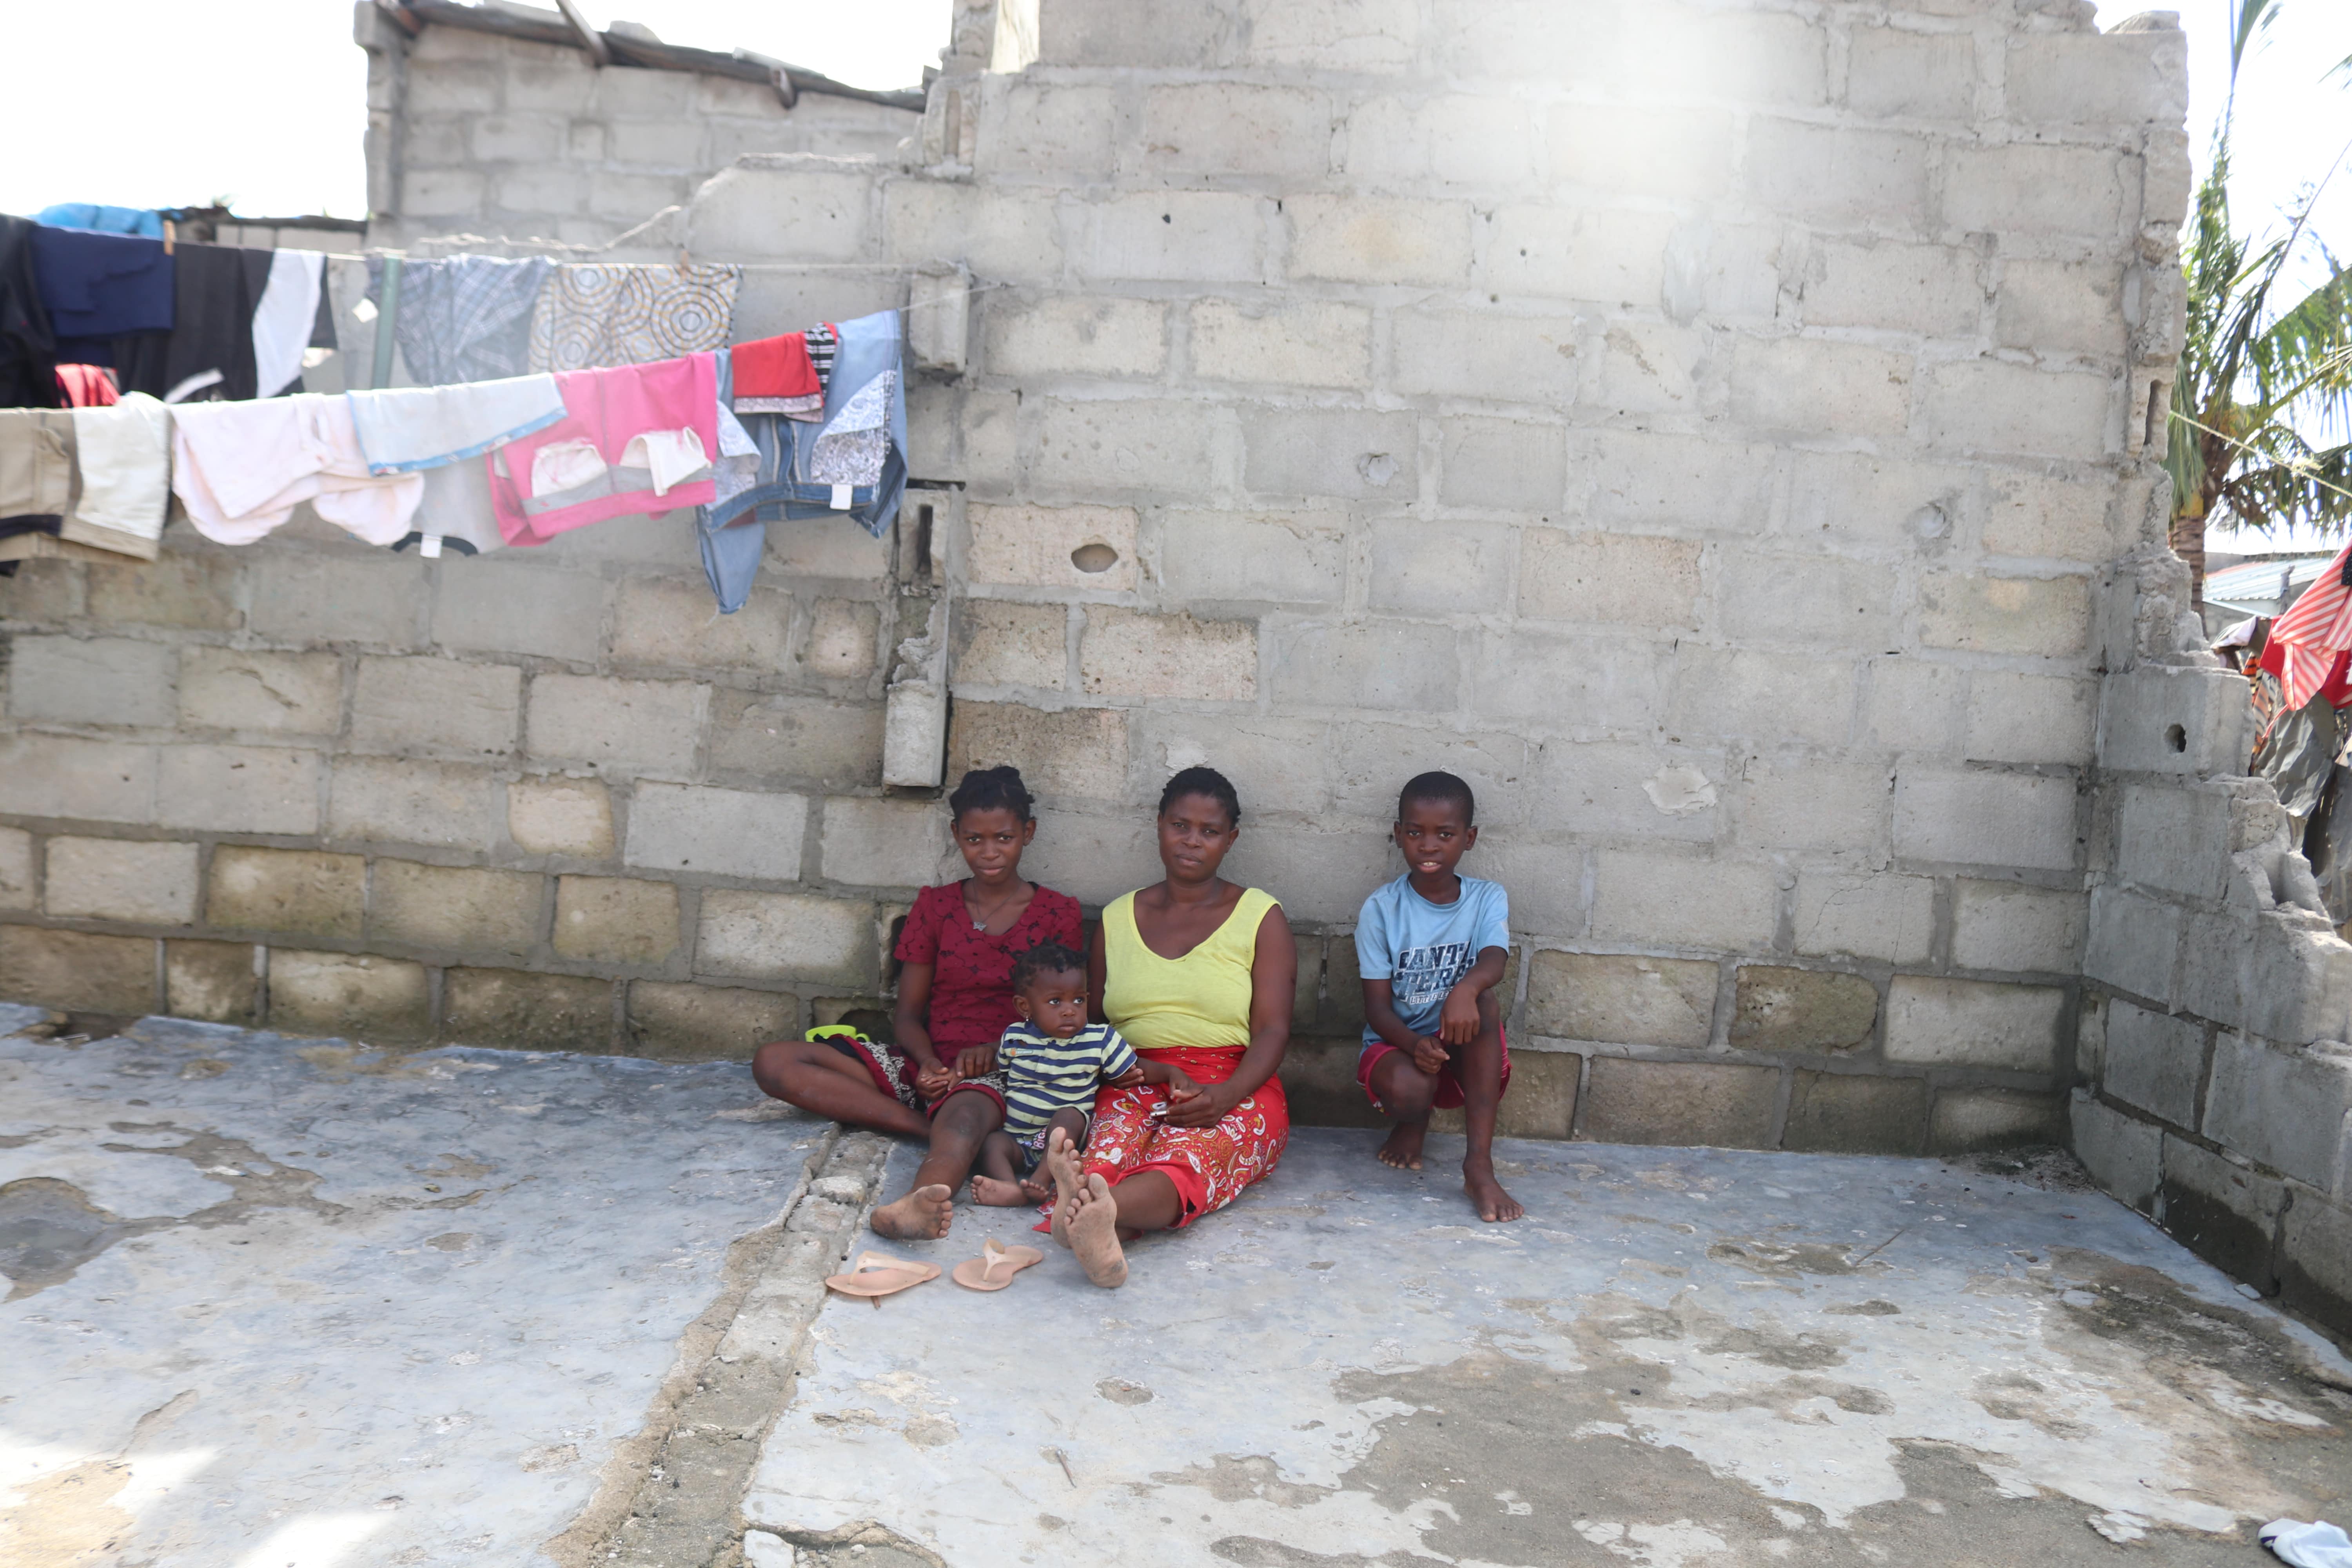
976, 1061
1202, 1107
934, 1080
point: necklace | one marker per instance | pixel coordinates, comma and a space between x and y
980, 921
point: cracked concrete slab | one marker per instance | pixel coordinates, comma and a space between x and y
1682, 1356
275, 1300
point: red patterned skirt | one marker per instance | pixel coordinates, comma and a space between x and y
1210, 1165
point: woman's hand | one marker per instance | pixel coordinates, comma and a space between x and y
1194, 1106
1177, 1083
976, 1061
934, 1080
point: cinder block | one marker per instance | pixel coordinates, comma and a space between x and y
1288, 557
717, 832
1659, 367
831, 744
1879, 914
1675, 484
615, 920
1321, 872
16, 879
1007, 236
1622, 998
1567, 683
1234, 128
1853, 1113
671, 623
2122, 1153
1092, 855
2155, 1062
1369, 36
1318, 1078
45, 593
1814, 599
497, 138
1371, 664
1548, 883
1042, 128
675, 1023
1619, 148
455, 908
1971, 1120
776, 936
655, 725
1502, 465
214, 981
509, 1009
1379, 240
1803, 803
1780, 1009
1545, 40
2114, 77
178, 588
1901, 75
2010, 926
2315, 1262
1989, 405
140, 882
435, 706
337, 598
238, 789
2018, 718
2178, 839
355, 995
1931, 289
1915, 707
1138, 445
2025, 188
562, 80
634, 197
1416, 142
1190, 237
495, 606
2134, 942
1705, 1103
541, 189
248, 689
887, 842
1670, 900
91, 680
1986, 819
1042, 547
1512, 358
1611, 790
1973, 1023
2063, 307
440, 193
2050, 616
2287, 1106
294, 890
1579, 254
553, 816
1370, 762
1774, 698
796, 550
2027, 515
1340, 452
2178, 721
1128, 653
1840, 499
1832, 176
2222, 1211
1815, 385
1303, 342
1420, 568
653, 143
78, 973
388, 801
1541, 1100
1075, 751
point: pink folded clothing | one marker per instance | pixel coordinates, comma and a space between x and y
240, 470
634, 439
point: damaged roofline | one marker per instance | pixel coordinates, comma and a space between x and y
412, 17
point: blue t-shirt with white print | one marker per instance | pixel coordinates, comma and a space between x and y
1422, 949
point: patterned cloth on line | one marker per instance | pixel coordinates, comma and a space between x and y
598, 314
464, 318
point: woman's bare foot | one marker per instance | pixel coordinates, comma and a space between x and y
992, 1191
923, 1214
1403, 1148
1495, 1204
1094, 1235
1062, 1165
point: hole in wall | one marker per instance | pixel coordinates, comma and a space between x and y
2160, 398
1091, 558
2175, 736
922, 543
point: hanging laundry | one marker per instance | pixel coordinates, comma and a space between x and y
824, 342
142, 221
285, 319
464, 318
27, 347
241, 469
730, 551
412, 427
457, 511
85, 386
99, 287
637, 438
123, 462
2313, 630
776, 375
207, 355
612, 313
36, 463
854, 462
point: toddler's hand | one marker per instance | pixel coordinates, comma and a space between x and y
1429, 1055
976, 1061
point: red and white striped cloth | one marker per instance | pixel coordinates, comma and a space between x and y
2313, 632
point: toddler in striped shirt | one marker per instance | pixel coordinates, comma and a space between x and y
1053, 1061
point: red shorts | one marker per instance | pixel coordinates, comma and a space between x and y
1449, 1087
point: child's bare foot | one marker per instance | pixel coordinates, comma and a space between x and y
1035, 1188
1093, 1231
1495, 1204
923, 1215
992, 1191
1062, 1165
1403, 1148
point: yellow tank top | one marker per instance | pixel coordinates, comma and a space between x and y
1201, 1000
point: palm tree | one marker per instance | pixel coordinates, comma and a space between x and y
2246, 370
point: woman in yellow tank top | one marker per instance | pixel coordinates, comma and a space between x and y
1197, 973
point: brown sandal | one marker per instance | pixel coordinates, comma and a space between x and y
994, 1270
876, 1274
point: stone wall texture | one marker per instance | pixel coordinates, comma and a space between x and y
1721, 432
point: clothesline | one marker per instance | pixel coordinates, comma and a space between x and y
2302, 467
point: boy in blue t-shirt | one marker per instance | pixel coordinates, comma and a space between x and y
1432, 945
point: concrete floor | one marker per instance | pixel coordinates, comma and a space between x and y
282, 1301
1680, 1357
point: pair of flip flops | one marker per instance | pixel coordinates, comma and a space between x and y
876, 1274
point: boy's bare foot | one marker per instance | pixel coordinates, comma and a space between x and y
1093, 1230
1495, 1204
923, 1215
1403, 1148
1062, 1165
992, 1191
1035, 1188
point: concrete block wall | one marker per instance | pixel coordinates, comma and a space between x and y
2216, 1085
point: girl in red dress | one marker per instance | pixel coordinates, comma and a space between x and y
939, 1080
